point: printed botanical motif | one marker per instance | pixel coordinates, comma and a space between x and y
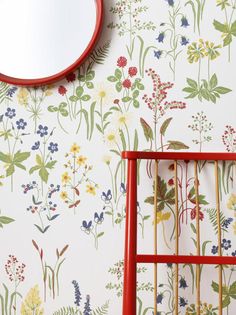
159, 79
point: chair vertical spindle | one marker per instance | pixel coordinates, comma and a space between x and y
219, 233
196, 184
176, 238
155, 233
130, 264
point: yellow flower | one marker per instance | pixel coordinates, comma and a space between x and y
90, 189
231, 204
32, 303
64, 195
161, 216
212, 50
81, 160
48, 90
74, 148
23, 96
196, 51
111, 138
65, 177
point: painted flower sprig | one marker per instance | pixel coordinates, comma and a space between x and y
12, 132
204, 89
76, 174
44, 158
90, 229
44, 207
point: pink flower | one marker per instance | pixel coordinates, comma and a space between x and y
127, 84
62, 90
133, 71
122, 62
171, 182
71, 77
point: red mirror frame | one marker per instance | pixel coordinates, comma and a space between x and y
71, 68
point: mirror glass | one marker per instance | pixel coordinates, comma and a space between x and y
41, 38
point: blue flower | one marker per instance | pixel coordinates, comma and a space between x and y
227, 222
36, 146
87, 308
42, 131
184, 41
234, 253
160, 298
98, 218
10, 113
21, 124
106, 197
78, 297
182, 302
11, 91
157, 53
184, 22
53, 147
214, 250
226, 244
122, 188
183, 283
87, 226
171, 2
161, 37
169, 265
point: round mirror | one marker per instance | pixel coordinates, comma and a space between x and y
43, 40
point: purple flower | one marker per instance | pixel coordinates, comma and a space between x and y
184, 22
183, 283
11, 91
157, 53
227, 222
36, 146
171, 2
53, 147
184, 41
87, 308
21, 124
214, 250
182, 302
106, 197
78, 297
98, 218
226, 244
234, 253
160, 298
122, 188
42, 131
10, 113
87, 226
161, 37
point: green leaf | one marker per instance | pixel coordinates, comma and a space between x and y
85, 98
192, 83
136, 104
215, 286
189, 90
126, 99
100, 234
226, 301
79, 91
213, 81
220, 27
6, 220
177, 145
233, 28
20, 166
52, 109
62, 106
135, 140
39, 160
140, 86
164, 126
50, 164
193, 228
135, 94
112, 78
6, 158
21, 156
73, 98
90, 85
118, 74
227, 40
232, 289
90, 75
34, 168
92, 109
64, 112
43, 173
118, 86
10, 170
222, 90
148, 133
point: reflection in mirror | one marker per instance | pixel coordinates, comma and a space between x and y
41, 38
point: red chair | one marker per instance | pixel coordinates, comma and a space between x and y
131, 258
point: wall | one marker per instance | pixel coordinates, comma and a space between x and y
164, 82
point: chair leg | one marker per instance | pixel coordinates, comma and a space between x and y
129, 289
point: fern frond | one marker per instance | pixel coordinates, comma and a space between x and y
101, 53
3, 91
103, 310
213, 219
67, 311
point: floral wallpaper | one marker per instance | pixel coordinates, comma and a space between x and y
161, 78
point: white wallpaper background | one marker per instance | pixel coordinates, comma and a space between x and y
63, 183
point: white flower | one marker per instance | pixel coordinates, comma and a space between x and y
111, 138
122, 119
106, 159
102, 94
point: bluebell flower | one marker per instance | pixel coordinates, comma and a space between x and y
234, 253
184, 41
122, 188
184, 22
87, 226
10, 113
183, 302
42, 131
11, 91
78, 297
160, 298
226, 244
106, 197
183, 283
227, 222
36, 146
214, 250
171, 2
169, 265
157, 53
21, 124
53, 147
161, 37
98, 218
87, 308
